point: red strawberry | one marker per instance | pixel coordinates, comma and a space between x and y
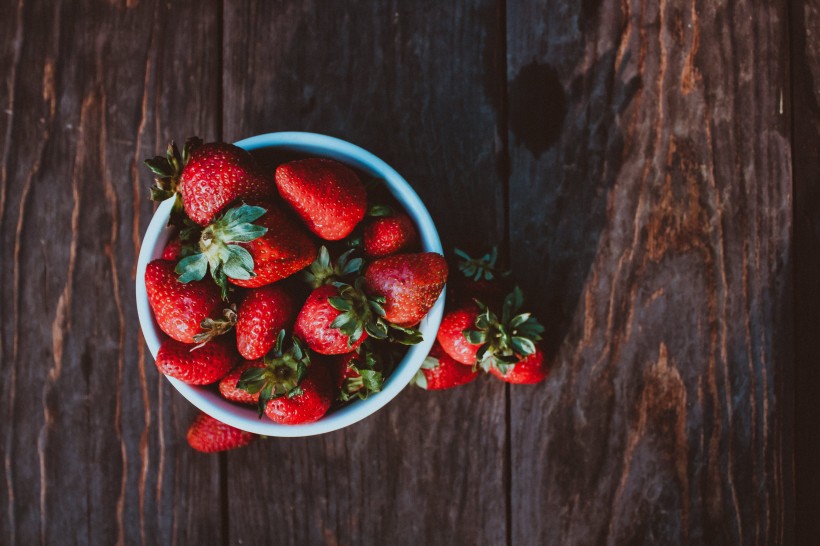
179, 308
358, 374
389, 234
228, 388
263, 312
173, 250
197, 366
410, 284
344, 368
208, 435
439, 371
451, 334
529, 370
328, 196
309, 404
314, 324
250, 254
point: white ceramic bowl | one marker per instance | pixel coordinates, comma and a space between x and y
244, 417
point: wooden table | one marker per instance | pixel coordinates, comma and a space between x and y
649, 169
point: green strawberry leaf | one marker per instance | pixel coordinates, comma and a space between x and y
192, 268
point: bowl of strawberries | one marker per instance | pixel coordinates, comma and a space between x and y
289, 284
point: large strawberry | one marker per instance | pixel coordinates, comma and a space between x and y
208, 177
328, 196
389, 234
197, 365
451, 334
527, 371
250, 254
329, 330
409, 283
208, 435
439, 371
307, 404
180, 308
261, 315
228, 384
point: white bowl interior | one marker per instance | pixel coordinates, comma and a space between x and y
244, 417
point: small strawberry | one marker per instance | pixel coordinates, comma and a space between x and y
409, 283
327, 329
173, 250
228, 388
261, 315
387, 235
208, 435
439, 371
179, 308
506, 341
451, 334
197, 365
249, 255
306, 405
208, 177
527, 371
328, 196
358, 375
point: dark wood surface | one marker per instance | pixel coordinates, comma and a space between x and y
649, 169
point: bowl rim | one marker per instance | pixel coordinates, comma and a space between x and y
245, 417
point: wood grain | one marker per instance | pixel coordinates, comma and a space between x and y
405, 81
93, 439
652, 193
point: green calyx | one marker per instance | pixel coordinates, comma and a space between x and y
483, 268
361, 313
167, 170
368, 377
508, 340
218, 251
323, 271
215, 327
281, 376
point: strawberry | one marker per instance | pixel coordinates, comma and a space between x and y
388, 235
451, 334
328, 196
197, 365
180, 308
208, 435
261, 315
527, 371
409, 283
307, 404
173, 250
249, 255
439, 371
228, 388
208, 177
358, 374
319, 323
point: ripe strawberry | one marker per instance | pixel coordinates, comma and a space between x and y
451, 334
208, 435
409, 283
250, 255
527, 371
308, 404
328, 196
228, 384
388, 235
439, 371
197, 365
358, 374
173, 250
179, 308
344, 367
319, 324
208, 177
261, 315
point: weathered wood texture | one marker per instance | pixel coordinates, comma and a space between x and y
805, 26
652, 192
93, 438
406, 82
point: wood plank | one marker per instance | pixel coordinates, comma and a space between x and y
805, 20
93, 445
651, 191
413, 84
